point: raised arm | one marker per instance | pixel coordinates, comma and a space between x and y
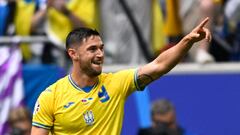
171, 57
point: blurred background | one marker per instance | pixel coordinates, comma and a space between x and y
203, 88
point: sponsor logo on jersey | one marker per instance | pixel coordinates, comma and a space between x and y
88, 117
68, 105
103, 95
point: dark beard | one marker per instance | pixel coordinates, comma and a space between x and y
89, 71
92, 72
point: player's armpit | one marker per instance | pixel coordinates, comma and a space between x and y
39, 131
143, 80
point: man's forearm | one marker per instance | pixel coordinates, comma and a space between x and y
171, 57
163, 63
174, 55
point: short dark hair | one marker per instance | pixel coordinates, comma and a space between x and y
78, 35
162, 106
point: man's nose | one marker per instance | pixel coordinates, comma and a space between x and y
100, 53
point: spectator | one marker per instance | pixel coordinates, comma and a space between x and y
201, 8
163, 120
20, 121
232, 12
13, 22
59, 14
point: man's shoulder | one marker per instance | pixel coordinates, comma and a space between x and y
54, 88
118, 76
118, 73
62, 80
58, 84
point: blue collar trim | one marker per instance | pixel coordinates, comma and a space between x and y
86, 89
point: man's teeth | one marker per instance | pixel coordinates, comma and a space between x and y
98, 63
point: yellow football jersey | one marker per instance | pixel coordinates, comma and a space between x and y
64, 108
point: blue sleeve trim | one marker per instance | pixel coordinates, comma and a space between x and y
136, 82
36, 124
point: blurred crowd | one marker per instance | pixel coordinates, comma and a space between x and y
134, 32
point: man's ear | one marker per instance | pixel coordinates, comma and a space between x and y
73, 54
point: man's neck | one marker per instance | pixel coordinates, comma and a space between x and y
83, 80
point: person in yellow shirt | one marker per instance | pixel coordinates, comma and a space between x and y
89, 102
70, 14
51, 16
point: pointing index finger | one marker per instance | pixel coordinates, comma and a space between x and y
201, 25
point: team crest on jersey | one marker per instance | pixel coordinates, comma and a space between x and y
88, 117
103, 95
86, 101
36, 108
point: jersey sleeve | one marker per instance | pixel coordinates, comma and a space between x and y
127, 81
43, 110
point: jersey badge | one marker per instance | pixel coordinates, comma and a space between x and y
88, 117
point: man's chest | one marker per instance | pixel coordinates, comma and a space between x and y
84, 110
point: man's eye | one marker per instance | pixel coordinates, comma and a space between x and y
92, 49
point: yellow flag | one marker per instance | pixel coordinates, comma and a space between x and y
173, 25
158, 36
23, 15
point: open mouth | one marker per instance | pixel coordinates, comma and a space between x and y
97, 63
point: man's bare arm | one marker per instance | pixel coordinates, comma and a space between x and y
171, 57
39, 131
